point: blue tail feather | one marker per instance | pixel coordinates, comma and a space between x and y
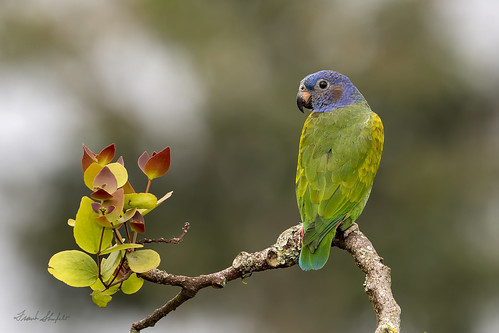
317, 259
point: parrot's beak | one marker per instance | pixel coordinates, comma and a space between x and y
303, 100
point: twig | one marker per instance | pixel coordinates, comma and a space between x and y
285, 253
174, 240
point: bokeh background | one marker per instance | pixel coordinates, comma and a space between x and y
216, 81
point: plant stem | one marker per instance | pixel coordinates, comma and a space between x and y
101, 238
127, 232
126, 276
117, 271
117, 235
98, 257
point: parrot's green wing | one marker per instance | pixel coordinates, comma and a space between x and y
338, 158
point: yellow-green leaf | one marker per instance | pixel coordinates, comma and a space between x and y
142, 261
75, 268
159, 202
100, 298
127, 215
90, 173
140, 200
109, 265
132, 284
99, 286
119, 171
121, 247
87, 232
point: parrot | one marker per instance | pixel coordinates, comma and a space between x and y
339, 154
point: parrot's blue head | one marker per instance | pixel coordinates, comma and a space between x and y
327, 90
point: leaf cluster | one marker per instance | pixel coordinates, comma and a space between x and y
107, 224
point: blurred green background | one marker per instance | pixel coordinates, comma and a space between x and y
216, 81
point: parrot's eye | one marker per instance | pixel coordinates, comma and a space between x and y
323, 84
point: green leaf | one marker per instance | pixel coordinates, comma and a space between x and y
121, 247
132, 284
87, 232
129, 213
142, 261
140, 200
100, 295
75, 268
100, 298
109, 265
160, 201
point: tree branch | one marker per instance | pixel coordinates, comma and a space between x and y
174, 240
285, 253
378, 281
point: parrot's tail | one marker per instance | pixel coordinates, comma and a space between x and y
317, 259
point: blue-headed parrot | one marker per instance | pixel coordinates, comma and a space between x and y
339, 154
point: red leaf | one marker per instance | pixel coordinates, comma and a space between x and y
110, 209
106, 180
117, 201
101, 194
106, 155
138, 227
103, 221
137, 223
88, 158
158, 164
143, 160
137, 217
96, 207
